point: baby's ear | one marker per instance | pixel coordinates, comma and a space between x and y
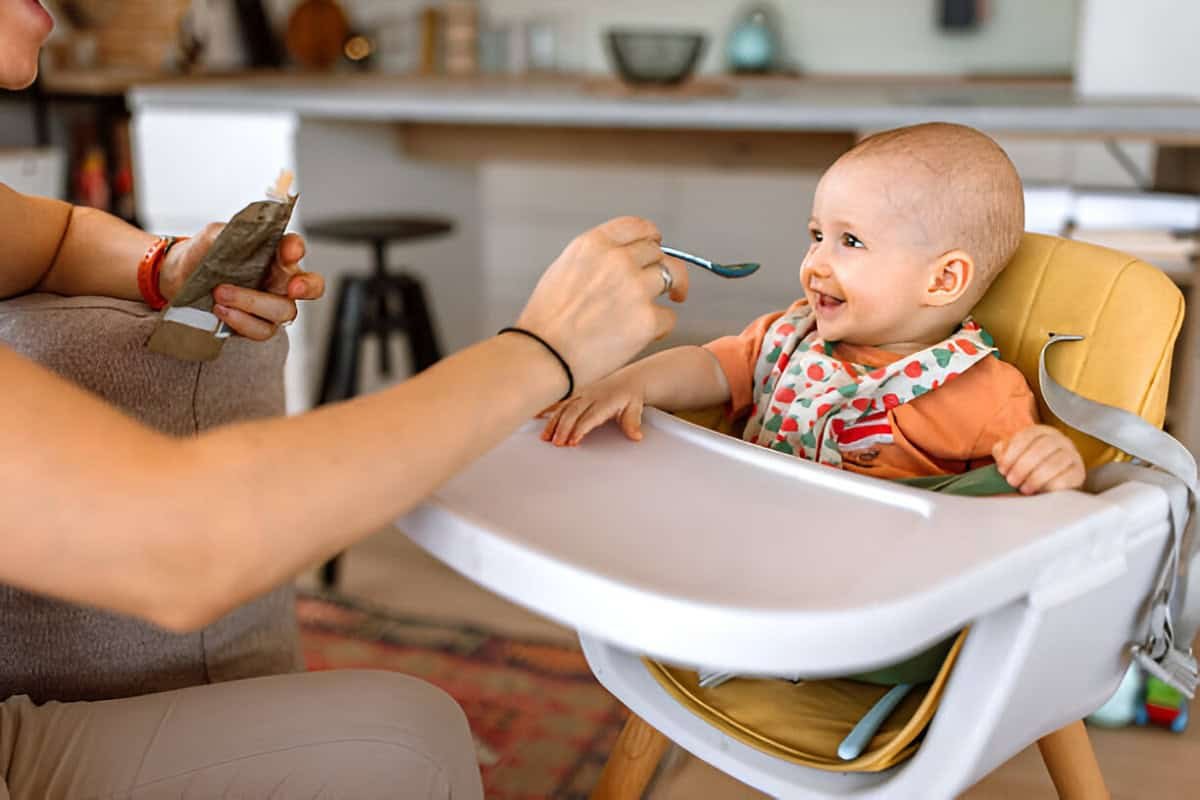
950, 279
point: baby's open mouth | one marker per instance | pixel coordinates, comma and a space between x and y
827, 302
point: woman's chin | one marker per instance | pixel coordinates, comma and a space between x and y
16, 74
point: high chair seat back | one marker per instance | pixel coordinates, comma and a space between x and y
1128, 311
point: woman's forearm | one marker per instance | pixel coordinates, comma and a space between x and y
99, 256
182, 531
682, 379
70, 250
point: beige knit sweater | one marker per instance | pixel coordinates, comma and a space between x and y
51, 650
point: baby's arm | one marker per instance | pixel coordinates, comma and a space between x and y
674, 380
1039, 459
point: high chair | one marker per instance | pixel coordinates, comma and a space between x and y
695, 548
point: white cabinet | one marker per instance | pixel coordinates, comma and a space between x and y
196, 166
33, 171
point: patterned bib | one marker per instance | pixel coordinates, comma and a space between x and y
814, 406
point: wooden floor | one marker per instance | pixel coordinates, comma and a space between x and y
388, 570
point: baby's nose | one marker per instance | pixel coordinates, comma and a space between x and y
815, 265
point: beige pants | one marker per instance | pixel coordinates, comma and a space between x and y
349, 734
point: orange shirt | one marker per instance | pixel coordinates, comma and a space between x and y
949, 430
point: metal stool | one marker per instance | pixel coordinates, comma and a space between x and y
379, 305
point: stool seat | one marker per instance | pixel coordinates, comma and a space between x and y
368, 228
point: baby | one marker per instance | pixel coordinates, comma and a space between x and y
878, 368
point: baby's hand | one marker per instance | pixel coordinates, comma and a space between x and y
1039, 459
620, 395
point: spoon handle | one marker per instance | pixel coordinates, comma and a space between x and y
688, 257
724, 270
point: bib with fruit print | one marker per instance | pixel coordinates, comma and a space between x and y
812, 405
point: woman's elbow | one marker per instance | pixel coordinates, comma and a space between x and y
181, 617
185, 589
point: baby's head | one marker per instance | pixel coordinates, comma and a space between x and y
908, 230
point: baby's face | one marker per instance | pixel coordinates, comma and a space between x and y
870, 257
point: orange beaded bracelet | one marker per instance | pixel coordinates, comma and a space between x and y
150, 269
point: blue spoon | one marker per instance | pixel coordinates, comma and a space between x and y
724, 270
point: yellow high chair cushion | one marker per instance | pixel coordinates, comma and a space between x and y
1129, 313
1128, 310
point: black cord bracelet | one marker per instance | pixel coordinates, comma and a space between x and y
566, 367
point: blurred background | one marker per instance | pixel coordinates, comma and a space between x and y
522, 122
445, 153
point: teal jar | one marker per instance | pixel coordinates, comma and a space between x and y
753, 44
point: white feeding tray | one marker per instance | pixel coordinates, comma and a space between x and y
701, 549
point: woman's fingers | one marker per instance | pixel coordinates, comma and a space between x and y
306, 286
244, 324
680, 279
270, 307
642, 253
291, 248
664, 321
624, 230
286, 277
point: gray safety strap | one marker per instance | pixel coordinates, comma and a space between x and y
1160, 653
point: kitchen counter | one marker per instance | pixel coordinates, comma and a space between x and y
498, 157
1029, 106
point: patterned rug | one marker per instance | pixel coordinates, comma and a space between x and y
543, 726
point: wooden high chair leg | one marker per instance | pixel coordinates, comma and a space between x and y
1072, 764
632, 763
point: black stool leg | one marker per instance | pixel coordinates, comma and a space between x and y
383, 323
340, 378
422, 338
380, 305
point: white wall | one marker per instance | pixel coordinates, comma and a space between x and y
1156, 45
822, 36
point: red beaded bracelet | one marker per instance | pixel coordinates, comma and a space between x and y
150, 269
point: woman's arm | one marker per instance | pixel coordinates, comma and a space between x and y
56, 247
51, 246
100, 510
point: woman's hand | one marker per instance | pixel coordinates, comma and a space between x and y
621, 395
255, 314
1039, 459
595, 303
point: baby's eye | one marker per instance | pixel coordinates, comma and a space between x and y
850, 240
816, 235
